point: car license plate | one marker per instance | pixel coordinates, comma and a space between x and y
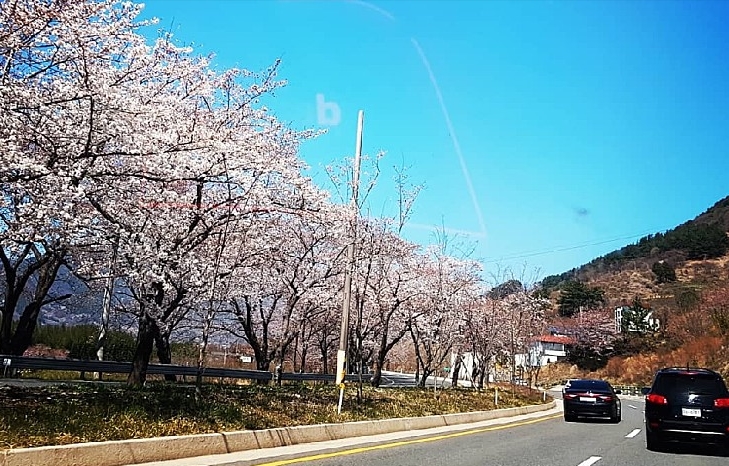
587, 399
690, 412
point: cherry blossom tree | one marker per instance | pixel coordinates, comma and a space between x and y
145, 143
392, 288
294, 261
388, 272
449, 285
323, 326
485, 324
525, 319
58, 63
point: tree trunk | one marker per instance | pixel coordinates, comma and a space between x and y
385, 347
294, 357
378, 364
164, 351
476, 379
304, 354
23, 336
424, 378
145, 343
455, 371
324, 348
11, 296
481, 376
6, 324
376, 379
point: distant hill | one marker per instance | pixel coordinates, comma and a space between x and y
718, 214
634, 266
82, 307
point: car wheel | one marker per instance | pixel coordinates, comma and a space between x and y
615, 417
652, 441
569, 417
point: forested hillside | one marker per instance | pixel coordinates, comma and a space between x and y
702, 238
672, 292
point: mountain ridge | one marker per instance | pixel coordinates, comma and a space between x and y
702, 239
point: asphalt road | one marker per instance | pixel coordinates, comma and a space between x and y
550, 442
538, 441
397, 379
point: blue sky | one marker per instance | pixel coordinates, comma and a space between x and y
546, 133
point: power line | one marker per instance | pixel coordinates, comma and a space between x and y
571, 247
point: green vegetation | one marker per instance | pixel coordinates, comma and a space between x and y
587, 358
576, 296
695, 240
664, 272
63, 414
634, 319
80, 341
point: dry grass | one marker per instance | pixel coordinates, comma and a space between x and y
63, 414
709, 352
637, 280
559, 373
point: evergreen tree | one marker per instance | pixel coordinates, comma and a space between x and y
576, 296
664, 272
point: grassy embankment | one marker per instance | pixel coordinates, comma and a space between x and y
73, 413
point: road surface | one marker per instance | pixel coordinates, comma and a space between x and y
397, 379
538, 441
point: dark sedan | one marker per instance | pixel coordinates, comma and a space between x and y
591, 398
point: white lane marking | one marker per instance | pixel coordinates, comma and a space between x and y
633, 434
634, 407
590, 460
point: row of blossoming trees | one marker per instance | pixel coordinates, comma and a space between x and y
140, 161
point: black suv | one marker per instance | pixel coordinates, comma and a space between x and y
687, 405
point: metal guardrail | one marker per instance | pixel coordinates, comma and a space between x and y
11, 363
631, 390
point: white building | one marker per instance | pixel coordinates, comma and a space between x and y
544, 350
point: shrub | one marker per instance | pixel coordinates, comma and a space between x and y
664, 272
80, 341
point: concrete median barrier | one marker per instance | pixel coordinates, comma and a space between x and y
136, 451
116, 453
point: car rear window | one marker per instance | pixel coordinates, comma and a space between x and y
694, 383
588, 384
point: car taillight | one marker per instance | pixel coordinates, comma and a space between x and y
721, 403
570, 395
606, 397
656, 399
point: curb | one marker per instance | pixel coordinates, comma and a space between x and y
125, 452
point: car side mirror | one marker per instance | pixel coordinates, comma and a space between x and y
618, 391
645, 390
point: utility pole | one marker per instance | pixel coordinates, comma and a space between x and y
344, 332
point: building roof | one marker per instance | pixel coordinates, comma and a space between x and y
563, 339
